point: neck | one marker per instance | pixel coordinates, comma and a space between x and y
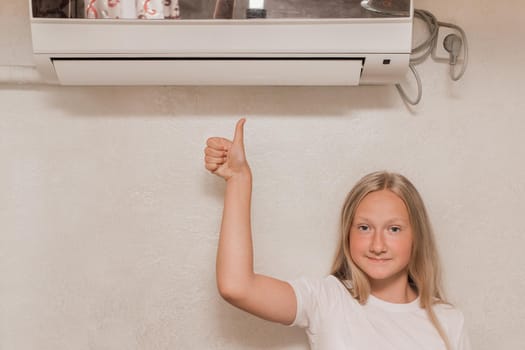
395, 290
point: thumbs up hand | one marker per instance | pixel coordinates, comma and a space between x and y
227, 158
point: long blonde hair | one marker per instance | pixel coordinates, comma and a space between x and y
423, 270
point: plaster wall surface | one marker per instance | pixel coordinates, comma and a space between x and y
109, 221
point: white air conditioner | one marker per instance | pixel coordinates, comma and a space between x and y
271, 51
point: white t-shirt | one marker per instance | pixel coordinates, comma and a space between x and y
334, 320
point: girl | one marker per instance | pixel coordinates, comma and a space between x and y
384, 291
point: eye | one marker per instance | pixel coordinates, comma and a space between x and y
363, 228
395, 229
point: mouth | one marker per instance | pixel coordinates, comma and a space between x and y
378, 260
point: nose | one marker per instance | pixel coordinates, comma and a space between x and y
377, 245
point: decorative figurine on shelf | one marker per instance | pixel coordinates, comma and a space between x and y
57, 8
102, 9
388, 7
171, 9
132, 9
224, 9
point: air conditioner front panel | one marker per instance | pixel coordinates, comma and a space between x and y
113, 37
209, 71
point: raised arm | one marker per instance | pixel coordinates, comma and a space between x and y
260, 295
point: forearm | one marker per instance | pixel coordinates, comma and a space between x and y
235, 252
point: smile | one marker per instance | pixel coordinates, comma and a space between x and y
377, 260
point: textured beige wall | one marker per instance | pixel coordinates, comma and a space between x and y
108, 221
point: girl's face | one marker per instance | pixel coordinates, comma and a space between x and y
381, 238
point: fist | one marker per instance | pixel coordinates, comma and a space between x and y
226, 158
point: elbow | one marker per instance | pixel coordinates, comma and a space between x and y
232, 292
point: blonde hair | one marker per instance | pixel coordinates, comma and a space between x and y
423, 270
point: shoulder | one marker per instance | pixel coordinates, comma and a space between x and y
451, 318
318, 297
321, 293
321, 287
453, 322
448, 312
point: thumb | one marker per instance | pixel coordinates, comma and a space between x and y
238, 138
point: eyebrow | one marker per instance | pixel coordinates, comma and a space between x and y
394, 219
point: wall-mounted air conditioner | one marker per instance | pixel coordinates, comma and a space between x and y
223, 42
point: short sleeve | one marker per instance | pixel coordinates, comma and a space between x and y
306, 293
